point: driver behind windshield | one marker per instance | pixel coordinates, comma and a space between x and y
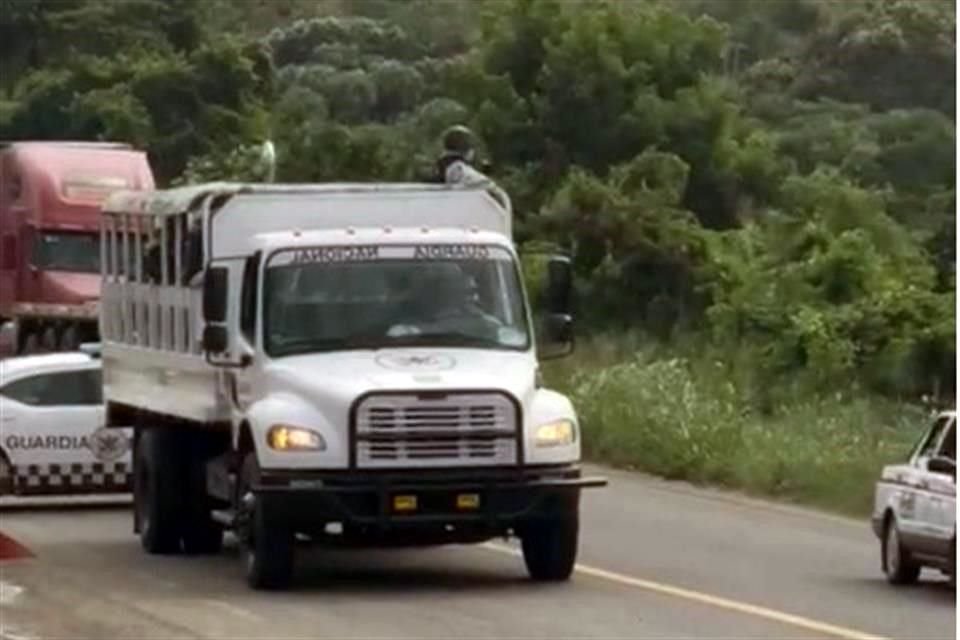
447, 302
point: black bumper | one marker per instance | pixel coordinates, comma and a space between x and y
365, 503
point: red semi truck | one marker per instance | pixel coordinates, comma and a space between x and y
50, 196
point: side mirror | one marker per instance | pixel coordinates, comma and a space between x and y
557, 294
941, 464
215, 339
556, 333
215, 282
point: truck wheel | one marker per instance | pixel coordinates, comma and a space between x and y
69, 340
550, 549
201, 535
266, 547
898, 565
157, 495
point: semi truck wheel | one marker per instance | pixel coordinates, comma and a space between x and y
550, 548
157, 495
267, 546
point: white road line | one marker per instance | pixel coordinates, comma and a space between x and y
729, 497
705, 598
234, 609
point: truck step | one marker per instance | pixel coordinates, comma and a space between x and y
226, 517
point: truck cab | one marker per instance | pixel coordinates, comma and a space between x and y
357, 364
50, 196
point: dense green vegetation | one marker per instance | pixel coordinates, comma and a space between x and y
761, 193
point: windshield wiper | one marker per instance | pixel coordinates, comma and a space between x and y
445, 338
380, 340
307, 345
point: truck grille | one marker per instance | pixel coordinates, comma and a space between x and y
397, 431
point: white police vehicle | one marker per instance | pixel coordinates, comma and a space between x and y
51, 436
915, 507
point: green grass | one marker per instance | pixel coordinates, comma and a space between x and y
689, 419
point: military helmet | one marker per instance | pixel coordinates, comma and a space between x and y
458, 138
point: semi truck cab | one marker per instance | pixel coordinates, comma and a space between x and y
50, 197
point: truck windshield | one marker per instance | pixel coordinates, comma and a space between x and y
67, 251
338, 298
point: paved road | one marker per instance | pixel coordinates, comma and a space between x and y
659, 560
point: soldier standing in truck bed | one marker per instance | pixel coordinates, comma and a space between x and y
458, 150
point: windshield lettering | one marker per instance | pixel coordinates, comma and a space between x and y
334, 254
451, 252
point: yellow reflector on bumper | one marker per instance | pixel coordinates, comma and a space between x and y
404, 503
468, 501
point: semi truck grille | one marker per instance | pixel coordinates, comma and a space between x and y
397, 431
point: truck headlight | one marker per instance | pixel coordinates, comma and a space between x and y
556, 433
284, 437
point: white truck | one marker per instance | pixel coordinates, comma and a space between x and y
340, 363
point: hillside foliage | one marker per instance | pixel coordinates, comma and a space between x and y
775, 179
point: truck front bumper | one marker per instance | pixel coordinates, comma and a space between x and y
429, 504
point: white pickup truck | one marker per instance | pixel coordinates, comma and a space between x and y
350, 363
915, 507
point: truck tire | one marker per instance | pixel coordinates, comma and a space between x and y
201, 535
267, 547
550, 549
157, 491
898, 564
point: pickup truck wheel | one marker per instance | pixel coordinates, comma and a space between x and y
267, 547
550, 549
156, 492
898, 565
